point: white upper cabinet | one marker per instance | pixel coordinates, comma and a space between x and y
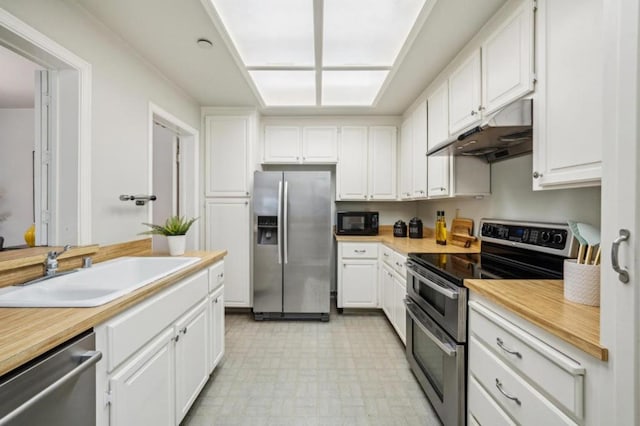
406, 161
352, 169
228, 156
568, 106
300, 145
282, 144
507, 60
438, 116
367, 166
320, 144
465, 94
419, 169
382, 162
439, 177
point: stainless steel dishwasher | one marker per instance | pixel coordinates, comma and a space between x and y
57, 388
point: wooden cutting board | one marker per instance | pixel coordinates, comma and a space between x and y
462, 232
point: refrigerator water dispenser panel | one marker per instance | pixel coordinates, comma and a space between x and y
267, 230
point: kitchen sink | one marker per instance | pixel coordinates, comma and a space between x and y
94, 286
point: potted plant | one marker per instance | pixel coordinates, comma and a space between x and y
175, 229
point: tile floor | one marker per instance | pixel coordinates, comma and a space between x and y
349, 371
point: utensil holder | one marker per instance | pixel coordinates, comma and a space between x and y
582, 283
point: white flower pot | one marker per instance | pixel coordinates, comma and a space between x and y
176, 244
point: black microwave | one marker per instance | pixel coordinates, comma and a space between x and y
357, 223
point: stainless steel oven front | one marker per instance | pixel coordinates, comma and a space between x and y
438, 362
444, 301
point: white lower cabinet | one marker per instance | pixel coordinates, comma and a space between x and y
394, 290
357, 275
158, 354
388, 291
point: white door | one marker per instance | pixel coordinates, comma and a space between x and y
282, 144
165, 180
216, 326
227, 156
142, 392
406, 162
228, 227
464, 94
620, 302
419, 155
359, 283
320, 144
438, 116
400, 311
382, 162
388, 295
352, 165
43, 160
192, 362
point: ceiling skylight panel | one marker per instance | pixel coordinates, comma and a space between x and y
286, 88
366, 32
270, 32
351, 87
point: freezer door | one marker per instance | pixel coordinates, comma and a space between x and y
307, 242
267, 255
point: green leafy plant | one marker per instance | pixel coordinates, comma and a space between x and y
175, 225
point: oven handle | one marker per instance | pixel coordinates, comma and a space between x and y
415, 315
440, 289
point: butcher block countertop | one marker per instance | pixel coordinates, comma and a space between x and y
410, 245
542, 303
26, 333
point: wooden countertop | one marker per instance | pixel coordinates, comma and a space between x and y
542, 303
410, 245
26, 333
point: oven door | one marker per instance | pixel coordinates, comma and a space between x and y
444, 301
438, 363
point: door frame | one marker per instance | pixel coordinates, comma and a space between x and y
189, 171
37, 47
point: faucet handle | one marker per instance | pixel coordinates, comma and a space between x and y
54, 255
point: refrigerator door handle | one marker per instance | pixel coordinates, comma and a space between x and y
286, 221
279, 236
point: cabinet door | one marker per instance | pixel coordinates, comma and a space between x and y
406, 162
192, 361
507, 60
352, 164
282, 144
419, 174
228, 224
464, 95
438, 116
216, 326
388, 293
320, 144
439, 178
382, 162
227, 152
567, 137
142, 392
400, 313
359, 283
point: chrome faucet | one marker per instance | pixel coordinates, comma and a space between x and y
51, 264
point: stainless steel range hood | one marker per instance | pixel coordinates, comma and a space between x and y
506, 133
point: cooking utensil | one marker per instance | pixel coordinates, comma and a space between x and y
591, 235
596, 260
576, 233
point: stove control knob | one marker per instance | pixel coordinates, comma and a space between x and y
545, 236
558, 238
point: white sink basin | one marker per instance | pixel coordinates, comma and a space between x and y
94, 286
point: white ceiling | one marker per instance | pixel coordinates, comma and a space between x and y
17, 80
165, 33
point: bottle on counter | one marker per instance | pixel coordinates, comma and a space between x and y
441, 229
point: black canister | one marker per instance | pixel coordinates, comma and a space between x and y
400, 229
415, 228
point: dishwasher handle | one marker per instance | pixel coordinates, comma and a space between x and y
86, 360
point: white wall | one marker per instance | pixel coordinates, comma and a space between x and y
123, 85
17, 136
513, 198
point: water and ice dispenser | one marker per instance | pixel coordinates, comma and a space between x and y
267, 230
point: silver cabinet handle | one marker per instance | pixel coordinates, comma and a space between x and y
385, 254
537, 175
184, 330
501, 345
511, 397
176, 339
87, 360
360, 251
474, 112
623, 273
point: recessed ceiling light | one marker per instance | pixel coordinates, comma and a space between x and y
204, 43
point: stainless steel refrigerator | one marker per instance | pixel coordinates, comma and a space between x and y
292, 245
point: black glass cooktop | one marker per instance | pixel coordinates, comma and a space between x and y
492, 263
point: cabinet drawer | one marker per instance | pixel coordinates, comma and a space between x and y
510, 390
360, 250
400, 264
558, 375
387, 255
216, 276
482, 408
129, 331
